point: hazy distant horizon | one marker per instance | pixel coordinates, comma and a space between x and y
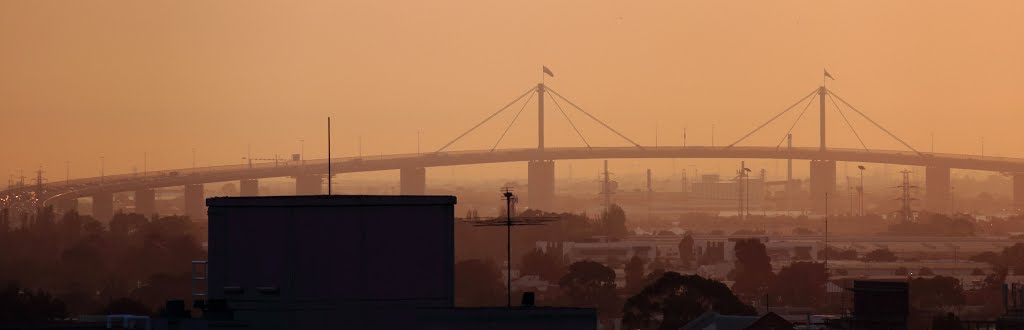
83, 80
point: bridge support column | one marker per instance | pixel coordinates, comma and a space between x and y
308, 184
66, 205
541, 185
823, 181
145, 202
249, 188
1018, 192
937, 189
103, 206
195, 204
413, 181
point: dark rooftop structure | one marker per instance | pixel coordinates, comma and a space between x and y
356, 262
879, 305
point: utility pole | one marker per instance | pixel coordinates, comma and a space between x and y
328, 156
861, 189
952, 199
655, 135
418, 141
67, 174
193, 161
849, 191
790, 191
746, 174
607, 188
103, 165
826, 233
712, 135
905, 210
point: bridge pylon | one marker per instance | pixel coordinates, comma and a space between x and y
822, 93
540, 116
541, 184
103, 206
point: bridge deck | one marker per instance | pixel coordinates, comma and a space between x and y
128, 182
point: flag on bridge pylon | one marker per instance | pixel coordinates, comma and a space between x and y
547, 71
828, 75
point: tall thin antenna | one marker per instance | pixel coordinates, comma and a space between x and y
508, 221
329, 156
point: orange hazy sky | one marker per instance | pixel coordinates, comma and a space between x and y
85, 79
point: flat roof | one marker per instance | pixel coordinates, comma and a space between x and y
329, 200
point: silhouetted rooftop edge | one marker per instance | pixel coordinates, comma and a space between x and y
329, 200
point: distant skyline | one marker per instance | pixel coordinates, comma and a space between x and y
81, 80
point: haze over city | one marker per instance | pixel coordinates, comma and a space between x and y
513, 165
114, 79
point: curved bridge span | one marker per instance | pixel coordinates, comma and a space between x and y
132, 182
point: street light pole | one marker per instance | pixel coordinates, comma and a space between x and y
746, 206
861, 168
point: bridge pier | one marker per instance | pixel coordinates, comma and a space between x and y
308, 184
103, 206
937, 189
823, 181
195, 204
66, 205
145, 202
249, 188
1018, 192
541, 185
413, 181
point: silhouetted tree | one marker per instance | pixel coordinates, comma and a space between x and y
478, 283
159, 288
800, 284
1011, 257
880, 255
673, 300
835, 254
634, 274
686, 253
949, 322
936, 292
614, 221
546, 265
753, 268
19, 305
125, 306
590, 284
